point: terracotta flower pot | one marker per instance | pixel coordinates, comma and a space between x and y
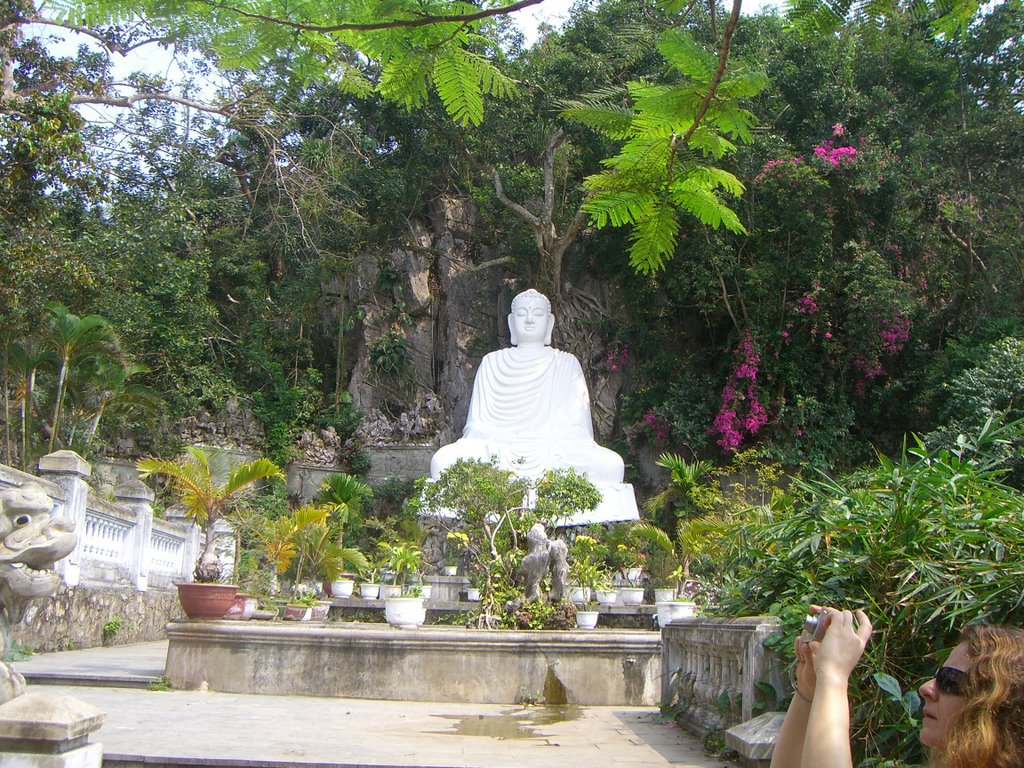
206, 601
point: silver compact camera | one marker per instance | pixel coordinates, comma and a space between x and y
815, 627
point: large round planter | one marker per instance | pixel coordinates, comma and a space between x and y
405, 612
206, 601
586, 619
342, 587
369, 591
297, 612
676, 609
243, 608
631, 595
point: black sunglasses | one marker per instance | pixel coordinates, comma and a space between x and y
950, 680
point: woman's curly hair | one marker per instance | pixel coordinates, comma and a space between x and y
989, 730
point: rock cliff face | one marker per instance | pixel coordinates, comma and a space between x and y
429, 313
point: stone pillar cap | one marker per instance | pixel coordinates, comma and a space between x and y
133, 490
64, 463
49, 717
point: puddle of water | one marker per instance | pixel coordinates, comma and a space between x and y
512, 724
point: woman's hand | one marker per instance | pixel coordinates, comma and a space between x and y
806, 678
842, 646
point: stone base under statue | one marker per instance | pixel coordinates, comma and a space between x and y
618, 503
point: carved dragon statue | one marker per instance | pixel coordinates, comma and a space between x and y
30, 543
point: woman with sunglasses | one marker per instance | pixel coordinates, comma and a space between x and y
973, 707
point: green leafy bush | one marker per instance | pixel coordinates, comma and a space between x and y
925, 543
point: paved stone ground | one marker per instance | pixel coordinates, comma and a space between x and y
161, 728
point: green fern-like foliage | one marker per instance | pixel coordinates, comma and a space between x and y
817, 17
445, 56
656, 176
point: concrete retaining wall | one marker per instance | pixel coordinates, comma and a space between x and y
597, 667
75, 617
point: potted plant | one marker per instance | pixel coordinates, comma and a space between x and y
455, 545
626, 555
404, 561
206, 501
300, 608
321, 554
669, 553
345, 496
586, 569
369, 587
477, 580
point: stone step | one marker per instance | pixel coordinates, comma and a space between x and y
90, 679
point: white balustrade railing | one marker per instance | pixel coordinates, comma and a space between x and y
166, 553
120, 543
106, 539
711, 668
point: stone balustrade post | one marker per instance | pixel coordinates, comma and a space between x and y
47, 730
193, 548
136, 496
69, 470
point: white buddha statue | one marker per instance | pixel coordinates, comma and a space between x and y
531, 410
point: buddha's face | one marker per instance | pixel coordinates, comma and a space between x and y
530, 321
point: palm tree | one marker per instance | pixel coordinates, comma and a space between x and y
111, 392
345, 496
206, 501
77, 340
24, 361
690, 490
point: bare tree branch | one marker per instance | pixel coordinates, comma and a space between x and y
420, 21
716, 80
516, 208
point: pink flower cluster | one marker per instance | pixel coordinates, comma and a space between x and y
777, 166
806, 305
835, 156
895, 334
741, 414
617, 357
657, 426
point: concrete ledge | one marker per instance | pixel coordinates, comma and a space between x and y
593, 668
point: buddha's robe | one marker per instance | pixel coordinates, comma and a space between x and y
531, 409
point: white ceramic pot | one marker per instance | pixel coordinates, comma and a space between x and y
607, 596
631, 595
634, 575
449, 570
577, 595
342, 588
369, 591
667, 595
390, 590
676, 609
426, 590
320, 610
586, 619
405, 612
472, 594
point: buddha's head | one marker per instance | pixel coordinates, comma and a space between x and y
530, 322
